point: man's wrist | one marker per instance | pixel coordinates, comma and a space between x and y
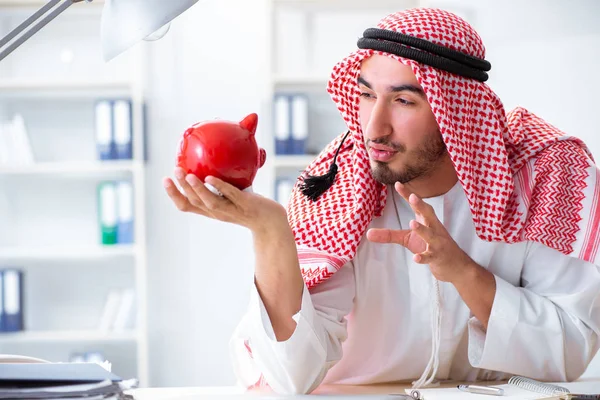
471, 272
274, 231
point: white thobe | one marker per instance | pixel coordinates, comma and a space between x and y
371, 321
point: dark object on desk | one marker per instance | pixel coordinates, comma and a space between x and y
32, 375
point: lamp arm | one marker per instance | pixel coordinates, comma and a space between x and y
39, 13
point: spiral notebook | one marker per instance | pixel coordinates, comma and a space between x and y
521, 388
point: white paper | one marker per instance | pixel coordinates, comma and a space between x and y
510, 391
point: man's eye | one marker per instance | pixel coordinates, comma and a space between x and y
405, 102
366, 95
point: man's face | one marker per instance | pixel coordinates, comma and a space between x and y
400, 130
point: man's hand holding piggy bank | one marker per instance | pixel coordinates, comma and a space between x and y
224, 155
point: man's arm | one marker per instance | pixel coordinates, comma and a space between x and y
548, 329
299, 363
277, 276
477, 287
284, 338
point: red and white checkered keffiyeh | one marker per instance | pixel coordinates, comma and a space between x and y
523, 178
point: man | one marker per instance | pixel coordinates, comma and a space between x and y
439, 238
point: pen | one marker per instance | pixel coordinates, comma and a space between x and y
492, 391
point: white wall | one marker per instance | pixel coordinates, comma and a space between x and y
210, 65
545, 56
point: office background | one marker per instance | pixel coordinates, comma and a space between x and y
110, 269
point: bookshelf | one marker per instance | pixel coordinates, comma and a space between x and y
84, 169
57, 253
306, 38
67, 336
49, 208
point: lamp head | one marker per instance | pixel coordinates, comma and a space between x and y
126, 22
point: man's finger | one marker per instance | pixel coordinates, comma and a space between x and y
387, 235
180, 201
189, 191
228, 190
426, 257
211, 201
423, 209
425, 232
402, 190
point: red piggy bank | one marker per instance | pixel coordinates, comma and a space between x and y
224, 149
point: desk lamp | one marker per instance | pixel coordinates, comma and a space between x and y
123, 24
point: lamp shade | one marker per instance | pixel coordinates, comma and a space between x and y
126, 22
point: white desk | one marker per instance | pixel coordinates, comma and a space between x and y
374, 392
337, 392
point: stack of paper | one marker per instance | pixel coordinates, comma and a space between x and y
61, 381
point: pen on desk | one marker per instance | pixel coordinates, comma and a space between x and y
492, 391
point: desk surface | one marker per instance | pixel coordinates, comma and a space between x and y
375, 392
380, 391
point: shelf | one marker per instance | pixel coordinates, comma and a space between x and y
74, 168
338, 5
21, 87
67, 336
62, 253
301, 82
292, 161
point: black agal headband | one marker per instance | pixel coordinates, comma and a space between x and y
425, 52
417, 49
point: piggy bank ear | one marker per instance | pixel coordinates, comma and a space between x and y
250, 123
263, 157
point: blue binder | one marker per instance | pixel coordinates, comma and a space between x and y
123, 129
125, 211
299, 114
282, 123
104, 130
13, 300
283, 189
1, 301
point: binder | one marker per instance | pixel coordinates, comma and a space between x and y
299, 115
282, 123
4, 145
22, 151
107, 212
283, 190
111, 307
123, 129
13, 300
125, 212
104, 130
125, 316
1, 301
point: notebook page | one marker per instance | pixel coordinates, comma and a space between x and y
510, 391
582, 387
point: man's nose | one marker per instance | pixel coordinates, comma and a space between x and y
379, 124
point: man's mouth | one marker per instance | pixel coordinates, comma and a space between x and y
380, 152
